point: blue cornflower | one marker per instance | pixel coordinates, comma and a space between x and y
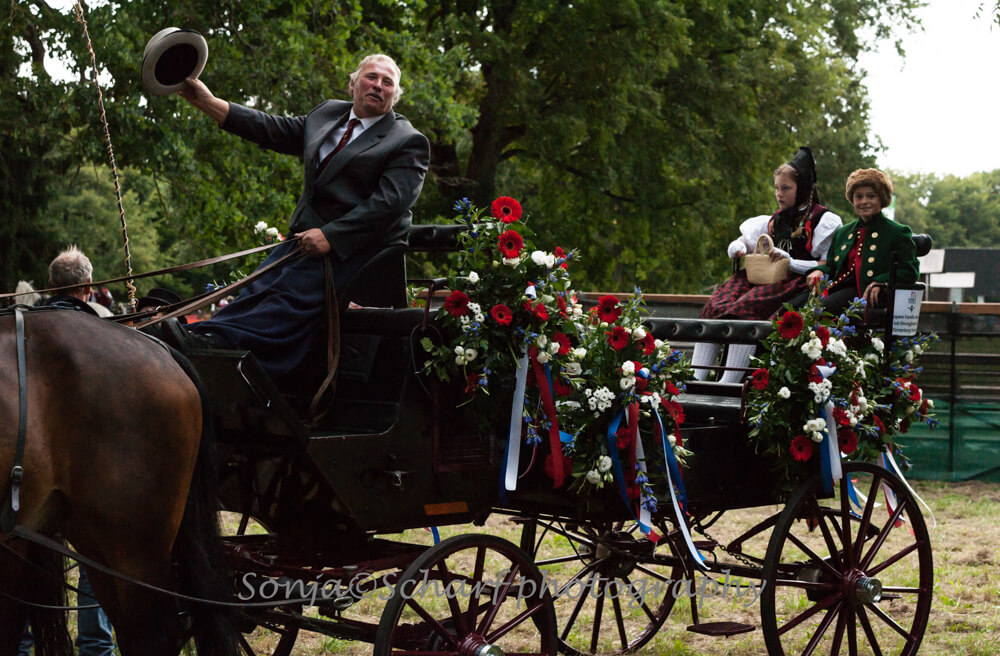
649, 503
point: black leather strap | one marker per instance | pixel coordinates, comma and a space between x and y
8, 518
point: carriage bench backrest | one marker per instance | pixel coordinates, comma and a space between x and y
382, 281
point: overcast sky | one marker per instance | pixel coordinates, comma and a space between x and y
936, 110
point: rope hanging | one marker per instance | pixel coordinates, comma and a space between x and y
111, 156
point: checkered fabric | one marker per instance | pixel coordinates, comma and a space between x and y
738, 299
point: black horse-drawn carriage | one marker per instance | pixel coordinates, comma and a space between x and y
839, 573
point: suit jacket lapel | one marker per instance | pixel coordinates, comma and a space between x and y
365, 140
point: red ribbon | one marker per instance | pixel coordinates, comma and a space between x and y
632, 416
671, 408
555, 445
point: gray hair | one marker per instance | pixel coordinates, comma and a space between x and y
70, 267
381, 59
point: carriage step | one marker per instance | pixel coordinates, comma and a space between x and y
721, 628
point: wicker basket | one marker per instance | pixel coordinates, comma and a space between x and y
760, 269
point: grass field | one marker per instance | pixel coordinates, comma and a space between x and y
964, 616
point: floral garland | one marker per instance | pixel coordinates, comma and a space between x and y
513, 306
812, 358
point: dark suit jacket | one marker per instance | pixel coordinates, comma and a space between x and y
881, 239
362, 198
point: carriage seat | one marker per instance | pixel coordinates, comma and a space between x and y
722, 331
876, 317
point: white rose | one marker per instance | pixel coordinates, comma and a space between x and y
543, 357
573, 369
538, 257
877, 344
604, 464
460, 359
470, 354
817, 437
272, 232
460, 350
473, 277
628, 367
512, 262
784, 392
542, 341
658, 343
593, 477
627, 383
554, 348
930, 404
550, 260
579, 353
260, 227
918, 349
908, 357
638, 333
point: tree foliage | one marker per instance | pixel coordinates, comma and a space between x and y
640, 132
956, 212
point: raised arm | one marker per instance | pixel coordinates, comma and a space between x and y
201, 97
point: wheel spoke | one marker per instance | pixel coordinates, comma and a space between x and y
638, 599
812, 556
852, 638
616, 604
882, 615
866, 516
845, 518
838, 632
882, 535
653, 573
453, 605
434, 624
866, 625
501, 596
576, 611
831, 614
516, 621
596, 631
809, 612
588, 570
892, 559
558, 560
477, 576
830, 544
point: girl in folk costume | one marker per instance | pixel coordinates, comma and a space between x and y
801, 230
860, 254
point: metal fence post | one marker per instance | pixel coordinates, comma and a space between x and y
953, 328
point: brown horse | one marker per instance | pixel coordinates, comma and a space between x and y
116, 462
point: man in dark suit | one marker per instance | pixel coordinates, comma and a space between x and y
363, 168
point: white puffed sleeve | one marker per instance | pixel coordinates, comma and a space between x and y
750, 231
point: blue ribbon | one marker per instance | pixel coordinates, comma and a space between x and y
671, 460
619, 473
436, 534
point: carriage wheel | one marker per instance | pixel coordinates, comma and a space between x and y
840, 578
611, 584
273, 621
470, 595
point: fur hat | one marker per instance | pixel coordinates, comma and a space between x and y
873, 178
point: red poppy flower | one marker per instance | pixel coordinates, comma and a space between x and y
914, 393
506, 209
840, 417
562, 386
550, 467
560, 255
848, 440
623, 439
563, 341
648, 344
760, 378
457, 304
675, 409
801, 448
538, 310
790, 324
561, 306
824, 335
607, 308
510, 244
618, 338
501, 314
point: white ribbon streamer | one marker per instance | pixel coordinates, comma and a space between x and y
516, 417
894, 468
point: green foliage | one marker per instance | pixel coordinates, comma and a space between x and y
956, 212
647, 130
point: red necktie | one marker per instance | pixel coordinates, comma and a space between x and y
353, 123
